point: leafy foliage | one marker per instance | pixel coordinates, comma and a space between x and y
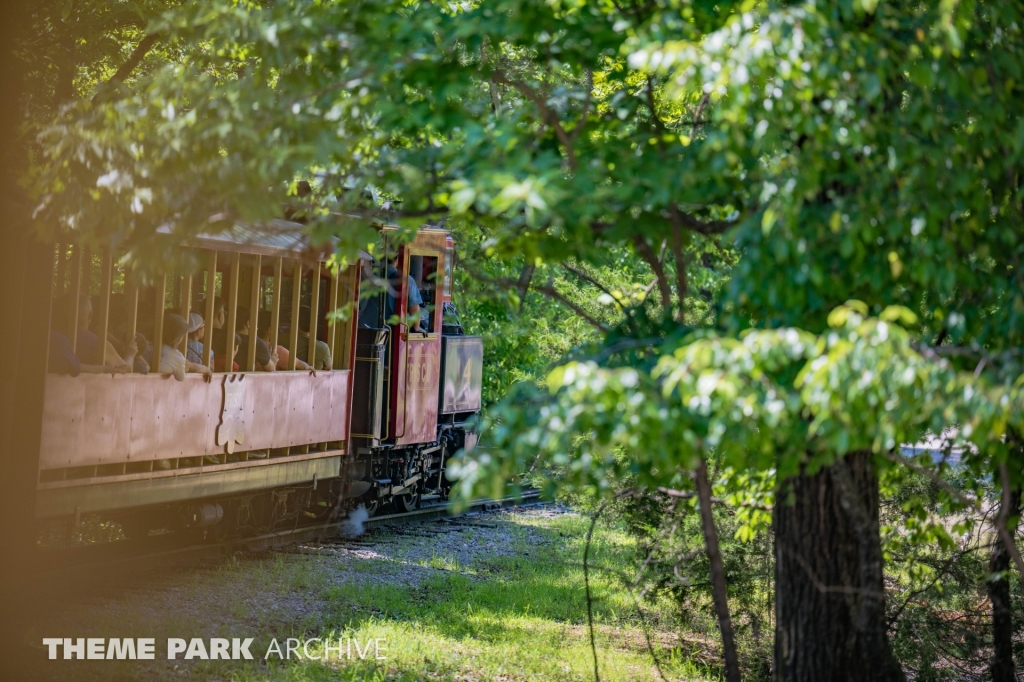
760, 400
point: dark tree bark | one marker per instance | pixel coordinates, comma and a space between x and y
999, 594
830, 600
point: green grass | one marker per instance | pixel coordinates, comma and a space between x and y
443, 563
525, 618
521, 616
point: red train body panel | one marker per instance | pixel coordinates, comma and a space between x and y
103, 420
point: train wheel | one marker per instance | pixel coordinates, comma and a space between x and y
372, 507
408, 503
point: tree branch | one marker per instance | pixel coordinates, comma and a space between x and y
647, 253
622, 345
547, 115
709, 228
696, 117
935, 478
680, 257
938, 576
134, 58
587, 278
686, 495
547, 290
973, 351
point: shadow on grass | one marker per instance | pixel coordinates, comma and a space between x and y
517, 617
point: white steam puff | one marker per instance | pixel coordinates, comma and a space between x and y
354, 524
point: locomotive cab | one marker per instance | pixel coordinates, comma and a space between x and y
407, 362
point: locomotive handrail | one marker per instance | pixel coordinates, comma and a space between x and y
387, 400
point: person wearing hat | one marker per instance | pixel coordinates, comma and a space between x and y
171, 359
196, 333
174, 363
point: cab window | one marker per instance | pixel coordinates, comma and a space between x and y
423, 269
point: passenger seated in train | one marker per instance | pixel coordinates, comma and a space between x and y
65, 359
413, 299
119, 334
172, 361
196, 334
220, 351
216, 321
219, 337
424, 319
266, 359
88, 348
146, 319
220, 313
263, 332
323, 352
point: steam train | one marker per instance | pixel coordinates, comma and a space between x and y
240, 450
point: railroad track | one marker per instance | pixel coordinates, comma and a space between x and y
118, 560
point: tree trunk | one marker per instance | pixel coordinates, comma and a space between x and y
999, 594
830, 602
719, 587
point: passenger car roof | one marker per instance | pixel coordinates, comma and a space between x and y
276, 237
